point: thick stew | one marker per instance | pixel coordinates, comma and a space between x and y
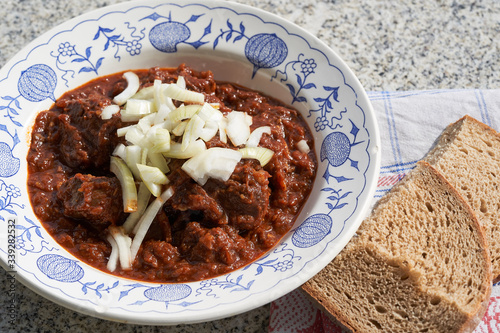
201, 231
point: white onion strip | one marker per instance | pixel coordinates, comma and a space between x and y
143, 196
123, 243
303, 146
256, 135
263, 155
132, 87
142, 227
129, 191
109, 111
113, 257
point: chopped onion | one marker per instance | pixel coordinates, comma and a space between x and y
135, 136
153, 178
256, 135
180, 128
192, 131
222, 130
143, 196
142, 227
123, 130
159, 140
209, 130
238, 127
109, 111
135, 109
151, 174
132, 87
158, 96
193, 149
146, 122
181, 82
175, 92
159, 161
184, 112
262, 154
113, 257
144, 93
123, 242
133, 156
120, 151
209, 113
162, 113
129, 191
215, 162
303, 146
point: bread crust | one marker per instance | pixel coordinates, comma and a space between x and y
315, 288
444, 158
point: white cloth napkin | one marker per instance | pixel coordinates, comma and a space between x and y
409, 123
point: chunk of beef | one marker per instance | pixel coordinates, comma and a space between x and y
214, 245
245, 196
195, 203
96, 200
86, 141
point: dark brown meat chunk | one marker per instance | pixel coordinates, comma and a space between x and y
193, 201
97, 200
245, 196
213, 245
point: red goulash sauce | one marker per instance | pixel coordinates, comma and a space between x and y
201, 231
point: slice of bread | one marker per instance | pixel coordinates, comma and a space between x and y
468, 155
419, 263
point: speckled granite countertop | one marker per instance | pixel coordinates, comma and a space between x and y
390, 45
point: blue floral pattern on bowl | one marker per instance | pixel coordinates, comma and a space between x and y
255, 49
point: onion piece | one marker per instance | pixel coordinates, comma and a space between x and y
142, 227
151, 174
135, 136
109, 111
146, 122
153, 178
209, 130
159, 140
123, 243
122, 131
183, 112
209, 113
135, 109
303, 147
222, 130
181, 82
163, 111
158, 97
256, 135
175, 92
180, 128
157, 160
193, 149
143, 196
262, 154
133, 156
113, 257
215, 162
129, 191
192, 131
238, 127
132, 87
144, 93
120, 151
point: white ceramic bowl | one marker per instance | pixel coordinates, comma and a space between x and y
239, 44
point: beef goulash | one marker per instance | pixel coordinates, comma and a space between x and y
167, 175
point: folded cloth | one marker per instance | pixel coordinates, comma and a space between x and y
409, 123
